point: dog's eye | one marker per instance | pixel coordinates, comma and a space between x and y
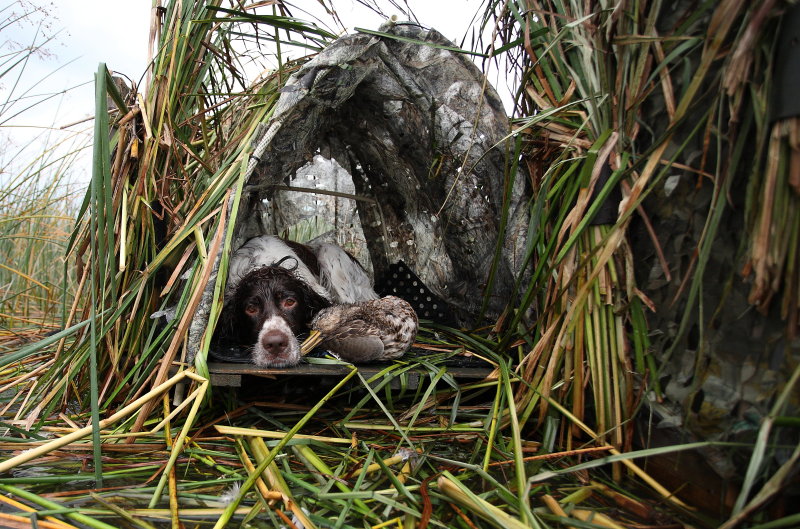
251, 309
288, 303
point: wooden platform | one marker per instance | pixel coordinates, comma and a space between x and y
229, 374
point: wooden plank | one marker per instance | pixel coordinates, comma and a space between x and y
229, 374
226, 379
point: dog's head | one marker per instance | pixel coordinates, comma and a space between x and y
269, 307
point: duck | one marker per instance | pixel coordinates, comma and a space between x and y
365, 331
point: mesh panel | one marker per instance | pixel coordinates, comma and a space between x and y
400, 281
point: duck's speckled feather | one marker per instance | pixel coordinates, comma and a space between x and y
379, 329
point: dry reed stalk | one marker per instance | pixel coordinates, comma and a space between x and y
269, 496
276, 481
12, 521
172, 486
478, 506
33, 373
252, 432
53, 522
188, 513
156, 392
555, 507
556, 455
636, 507
596, 518
122, 513
197, 399
79, 517
374, 467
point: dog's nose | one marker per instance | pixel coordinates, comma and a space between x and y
275, 342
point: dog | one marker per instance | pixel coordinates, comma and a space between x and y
274, 289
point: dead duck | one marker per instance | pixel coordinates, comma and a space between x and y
365, 331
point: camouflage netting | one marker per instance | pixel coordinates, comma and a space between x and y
422, 136
721, 376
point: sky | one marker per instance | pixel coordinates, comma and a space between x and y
116, 32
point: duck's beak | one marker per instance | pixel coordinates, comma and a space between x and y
313, 340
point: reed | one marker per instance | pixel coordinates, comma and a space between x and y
572, 356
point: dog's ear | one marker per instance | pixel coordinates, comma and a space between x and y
314, 302
224, 328
230, 326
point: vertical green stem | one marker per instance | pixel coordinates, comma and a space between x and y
516, 440
99, 164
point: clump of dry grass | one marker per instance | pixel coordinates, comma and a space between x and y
37, 213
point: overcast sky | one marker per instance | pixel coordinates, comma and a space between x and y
88, 32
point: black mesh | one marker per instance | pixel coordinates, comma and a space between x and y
400, 281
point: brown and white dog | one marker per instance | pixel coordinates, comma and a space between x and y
274, 289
